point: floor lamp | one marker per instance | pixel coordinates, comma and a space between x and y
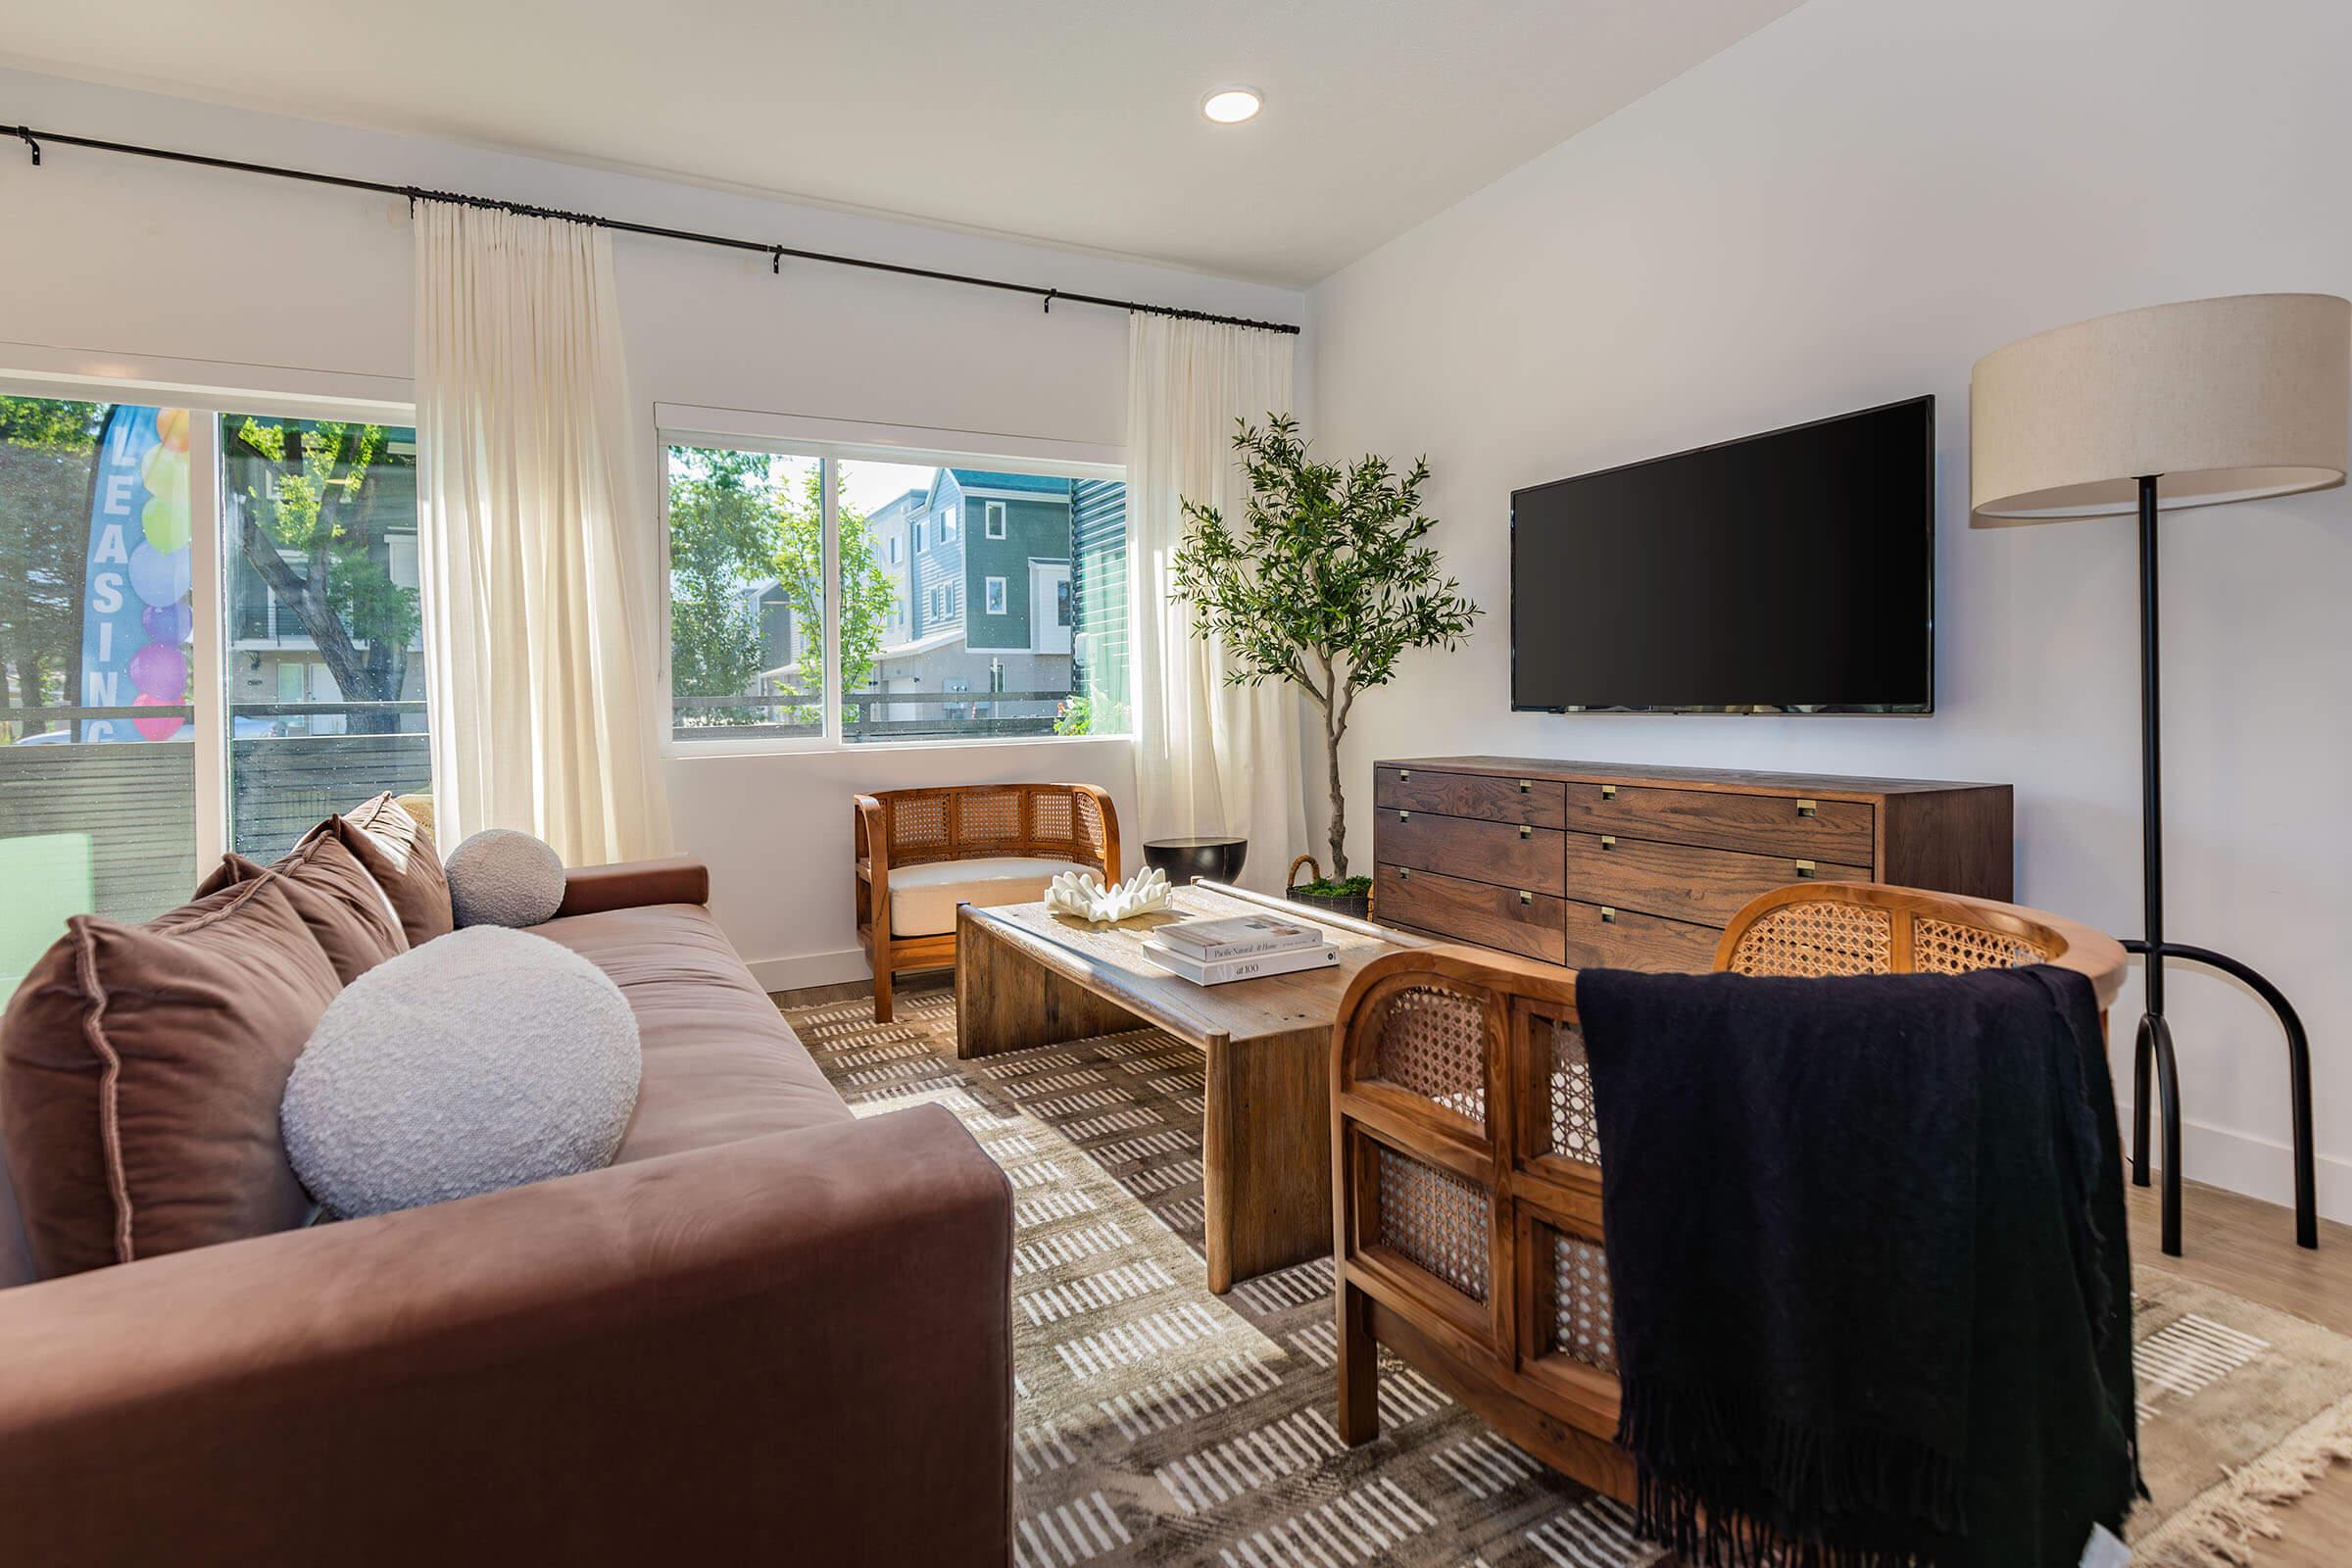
2177, 406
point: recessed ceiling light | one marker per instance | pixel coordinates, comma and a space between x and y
1230, 106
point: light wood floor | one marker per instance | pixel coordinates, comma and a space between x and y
2249, 1248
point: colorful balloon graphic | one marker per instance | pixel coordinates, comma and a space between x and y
155, 729
164, 473
172, 428
168, 624
159, 577
165, 523
160, 670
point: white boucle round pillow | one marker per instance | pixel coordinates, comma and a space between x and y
502, 877
481, 1060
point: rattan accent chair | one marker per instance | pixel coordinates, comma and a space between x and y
920, 852
1466, 1189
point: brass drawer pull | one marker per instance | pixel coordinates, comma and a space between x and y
1527, 897
1804, 868
1526, 832
1806, 809
1608, 791
1609, 917
1527, 786
1404, 774
1404, 816
1405, 874
1608, 841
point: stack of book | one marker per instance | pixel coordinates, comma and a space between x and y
1210, 953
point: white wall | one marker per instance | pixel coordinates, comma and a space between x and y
122, 267
1852, 207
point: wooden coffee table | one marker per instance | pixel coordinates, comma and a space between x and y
1026, 976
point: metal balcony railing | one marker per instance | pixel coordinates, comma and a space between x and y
873, 715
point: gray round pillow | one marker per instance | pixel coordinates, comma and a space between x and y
481, 1060
502, 877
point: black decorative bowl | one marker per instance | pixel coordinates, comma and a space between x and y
1217, 858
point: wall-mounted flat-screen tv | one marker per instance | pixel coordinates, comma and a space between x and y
1792, 572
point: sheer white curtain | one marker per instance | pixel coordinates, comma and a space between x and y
1210, 758
540, 640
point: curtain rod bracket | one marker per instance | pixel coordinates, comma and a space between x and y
25, 131
775, 261
1050, 293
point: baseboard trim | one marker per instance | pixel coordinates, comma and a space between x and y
805, 969
2245, 1162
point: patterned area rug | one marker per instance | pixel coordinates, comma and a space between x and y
1158, 1424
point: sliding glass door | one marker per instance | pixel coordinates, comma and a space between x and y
208, 639
97, 624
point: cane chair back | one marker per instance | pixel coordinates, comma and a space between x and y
970, 821
1466, 1191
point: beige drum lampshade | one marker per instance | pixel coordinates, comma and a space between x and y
2226, 399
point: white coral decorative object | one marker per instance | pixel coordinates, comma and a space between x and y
1082, 894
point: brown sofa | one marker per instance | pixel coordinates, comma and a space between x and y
769, 1332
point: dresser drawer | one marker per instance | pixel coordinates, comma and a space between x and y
1682, 881
1604, 937
1522, 857
1514, 919
1837, 831
1535, 801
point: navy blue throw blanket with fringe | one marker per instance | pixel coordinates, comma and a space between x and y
1865, 1240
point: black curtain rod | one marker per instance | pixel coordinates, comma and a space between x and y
776, 254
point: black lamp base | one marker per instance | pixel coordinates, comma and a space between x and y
2154, 1047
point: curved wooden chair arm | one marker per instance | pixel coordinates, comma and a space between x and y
1470, 969
871, 830
1109, 847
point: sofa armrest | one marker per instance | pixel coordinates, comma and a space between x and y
792, 1348
594, 889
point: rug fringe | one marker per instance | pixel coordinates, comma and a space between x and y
2218, 1529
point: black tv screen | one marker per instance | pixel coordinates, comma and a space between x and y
1787, 572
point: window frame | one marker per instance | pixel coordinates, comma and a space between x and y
149, 385
994, 598
835, 441
993, 519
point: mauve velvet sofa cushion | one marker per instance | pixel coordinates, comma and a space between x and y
721, 1062
342, 904
142, 1068
400, 855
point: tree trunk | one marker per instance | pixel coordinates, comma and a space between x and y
1338, 807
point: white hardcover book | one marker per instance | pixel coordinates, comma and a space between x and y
1256, 967
1238, 937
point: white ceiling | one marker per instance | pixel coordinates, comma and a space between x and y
1075, 121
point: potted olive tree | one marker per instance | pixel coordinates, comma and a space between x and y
1323, 583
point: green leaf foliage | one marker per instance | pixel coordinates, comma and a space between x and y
1323, 582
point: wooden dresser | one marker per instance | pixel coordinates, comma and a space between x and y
1601, 866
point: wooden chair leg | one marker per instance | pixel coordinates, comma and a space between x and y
882, 999
1359, 1369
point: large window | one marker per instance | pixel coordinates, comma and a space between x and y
899, 655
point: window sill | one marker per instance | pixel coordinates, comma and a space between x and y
686, 750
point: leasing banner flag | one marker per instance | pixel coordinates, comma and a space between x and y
136, 616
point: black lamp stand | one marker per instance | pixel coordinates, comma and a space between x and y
2154, 1046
